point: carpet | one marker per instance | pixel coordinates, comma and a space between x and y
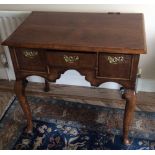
51, 136
5, 101
60, 124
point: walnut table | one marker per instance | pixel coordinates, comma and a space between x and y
102, 46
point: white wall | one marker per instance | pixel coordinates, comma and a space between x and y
147, 62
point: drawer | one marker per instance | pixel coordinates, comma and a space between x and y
71, 60
115, 66
30, 59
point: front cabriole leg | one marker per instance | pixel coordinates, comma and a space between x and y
20, 93
130, 97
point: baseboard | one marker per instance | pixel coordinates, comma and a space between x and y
146, 85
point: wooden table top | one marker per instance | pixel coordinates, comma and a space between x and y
86, 32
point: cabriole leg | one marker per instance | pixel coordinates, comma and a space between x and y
20, 93
47, 86
130, 97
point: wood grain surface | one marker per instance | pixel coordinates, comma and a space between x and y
98, 32
86, 95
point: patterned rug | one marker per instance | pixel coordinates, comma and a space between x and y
60, 124
51, 136
6, 98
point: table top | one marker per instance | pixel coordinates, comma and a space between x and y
86, 32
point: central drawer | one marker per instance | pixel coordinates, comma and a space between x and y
71, 60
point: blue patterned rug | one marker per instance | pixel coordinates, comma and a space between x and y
51, 136
65, 125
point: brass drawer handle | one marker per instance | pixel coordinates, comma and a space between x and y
115, 60
30, 53
71, 59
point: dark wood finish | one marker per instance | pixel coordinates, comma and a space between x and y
47, 86
25, 63
20, 92
119, 33
103, 47
130, 97
121, 70
57, 60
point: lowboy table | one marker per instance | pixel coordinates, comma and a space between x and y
102, 46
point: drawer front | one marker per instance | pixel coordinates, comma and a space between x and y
71, 60
117, 66
30, 59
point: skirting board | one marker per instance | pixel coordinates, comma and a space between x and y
146, 85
